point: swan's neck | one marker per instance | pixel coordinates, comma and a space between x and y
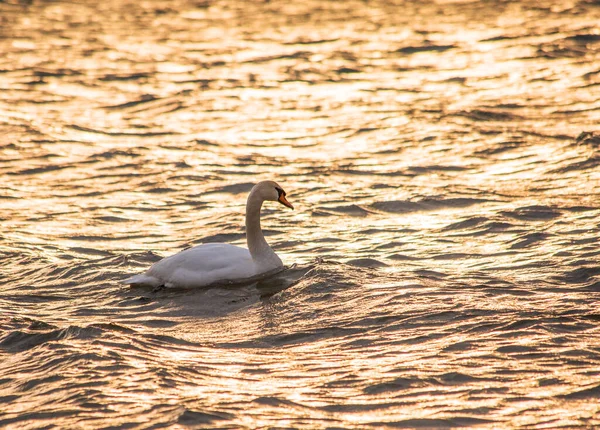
261, 252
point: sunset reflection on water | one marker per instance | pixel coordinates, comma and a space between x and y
442, 158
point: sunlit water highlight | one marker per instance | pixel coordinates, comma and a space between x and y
443, 254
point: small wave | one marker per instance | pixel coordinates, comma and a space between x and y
222, 238
579, 45
366, 262
121, 133
191, 417
489, 115
39, 170
18, 340
142, 99
397, 384
307, 41
425, 48
581, 275
500, 148
305, 55
351, 210
458, 378
587, 393
241, 188
453, 422
533, 213
436, 168
428, 204
56, 73
124, 76
588, 138
529, 239
466, 224
590, 163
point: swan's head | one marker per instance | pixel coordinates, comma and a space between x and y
269, 190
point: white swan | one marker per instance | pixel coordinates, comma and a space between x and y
212, 263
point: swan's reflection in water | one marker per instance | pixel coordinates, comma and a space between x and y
283, 280
221, 298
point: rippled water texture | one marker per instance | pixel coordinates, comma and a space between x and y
444, 259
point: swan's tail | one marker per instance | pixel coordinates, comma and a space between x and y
143, 280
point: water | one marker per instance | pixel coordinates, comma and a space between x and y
444, 261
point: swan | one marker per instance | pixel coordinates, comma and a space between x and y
212, 263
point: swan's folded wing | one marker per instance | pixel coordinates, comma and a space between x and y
203, 265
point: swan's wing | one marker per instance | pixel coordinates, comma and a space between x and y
198, 266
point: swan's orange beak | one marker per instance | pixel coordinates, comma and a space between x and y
284, 201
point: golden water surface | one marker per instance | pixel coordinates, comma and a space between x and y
443, 255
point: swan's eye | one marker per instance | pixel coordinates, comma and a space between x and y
280, 191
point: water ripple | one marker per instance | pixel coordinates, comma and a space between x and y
443, 258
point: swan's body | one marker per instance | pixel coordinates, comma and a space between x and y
212, 263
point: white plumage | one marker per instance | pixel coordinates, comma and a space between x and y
212, 263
